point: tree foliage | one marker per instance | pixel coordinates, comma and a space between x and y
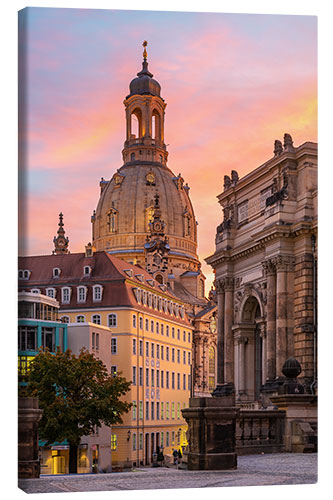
76, 394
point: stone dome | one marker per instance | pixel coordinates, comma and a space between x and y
120, 223
144, 83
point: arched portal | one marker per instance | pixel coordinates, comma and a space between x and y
249, 350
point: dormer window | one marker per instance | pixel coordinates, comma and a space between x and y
86, 270
51, 292
81, 293
56, 272
35, 290
66, 295
97, 293
24, 274
21, 275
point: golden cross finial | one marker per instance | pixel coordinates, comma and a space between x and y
145, 43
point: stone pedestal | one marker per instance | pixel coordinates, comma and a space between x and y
28, 417
211, 433
300, 433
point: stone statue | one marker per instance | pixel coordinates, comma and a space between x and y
227, 182
288, 142
234, 176
277, 148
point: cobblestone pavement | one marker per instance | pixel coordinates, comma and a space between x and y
253, 470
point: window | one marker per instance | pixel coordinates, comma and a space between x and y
189, 358
167, 440
152, 350
147, 325
167, 331
134, 441
112, 320
184, 336
157, 410
147, 410
178, 334
51, 292
173, 437
20, 274
141, 323
112, 220
35, 290
162, 417
162, 351
114, 346
80, 319
178, 410
56, 272
189, 336
81, 293
134, 321
173, 355
113, 371
141, 348
167, 414
140, 441
140, 375
173, 332
162, 329
167, 379
162, 379
173, 380
157, 351
147, 349
65, 295
97, 341
48, 338
152, 326
184, 382
157, 378
113, 442
184, 357
152, 377
243, 211
178, 355
27, 338
152, 411
189, 382
86, 270
97, 293
140, 410
64, 319
157, 327
134, 346
96, 319
147, 377
134, 410
134, 375
172, 412
178, 381
167, 353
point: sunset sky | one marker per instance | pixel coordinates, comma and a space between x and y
233, 84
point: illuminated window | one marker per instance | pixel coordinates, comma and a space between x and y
113, 442
173, 411
134, 441
140, 441
162, 417
113, 371
80, 319
134, 410
211, 365
178, 411
167, 414
64, 319
140, 410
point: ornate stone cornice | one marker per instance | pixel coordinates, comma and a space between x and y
268, 267
219, 285
284, 263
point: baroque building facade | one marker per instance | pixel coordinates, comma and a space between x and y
145, 216
265, 269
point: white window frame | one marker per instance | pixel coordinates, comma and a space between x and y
96, 316
26, 274
35, 290
53, 290
95, 289
114, 345
80, 316
63, 290
78, 291
114, 320
86, 270
67, 317
56, 272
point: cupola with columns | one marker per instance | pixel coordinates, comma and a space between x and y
144, 109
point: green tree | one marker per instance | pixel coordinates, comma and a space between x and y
76, 394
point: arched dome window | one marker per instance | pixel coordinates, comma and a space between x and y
112, 220
156, 126
136, 123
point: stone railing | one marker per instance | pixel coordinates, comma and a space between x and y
260, 431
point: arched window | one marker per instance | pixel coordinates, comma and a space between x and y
96, 318
35, 290
112, 320
136, 124
159, 279
156, 126
201, 288
64, 319
97, 293
56, 272
51, 292
112, 220
211, 368
80, 319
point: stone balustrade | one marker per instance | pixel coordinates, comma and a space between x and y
260, 431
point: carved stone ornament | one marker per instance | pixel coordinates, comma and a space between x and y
227, 182
278, 148
284, 263
234, 177
288, 142
268, 267
228, 283
219, 285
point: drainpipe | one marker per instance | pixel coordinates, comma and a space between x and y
313, 386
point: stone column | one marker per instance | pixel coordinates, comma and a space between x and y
269, 270
128, 125
228, 333
220, 332
281, 263
290, 306
241, 364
